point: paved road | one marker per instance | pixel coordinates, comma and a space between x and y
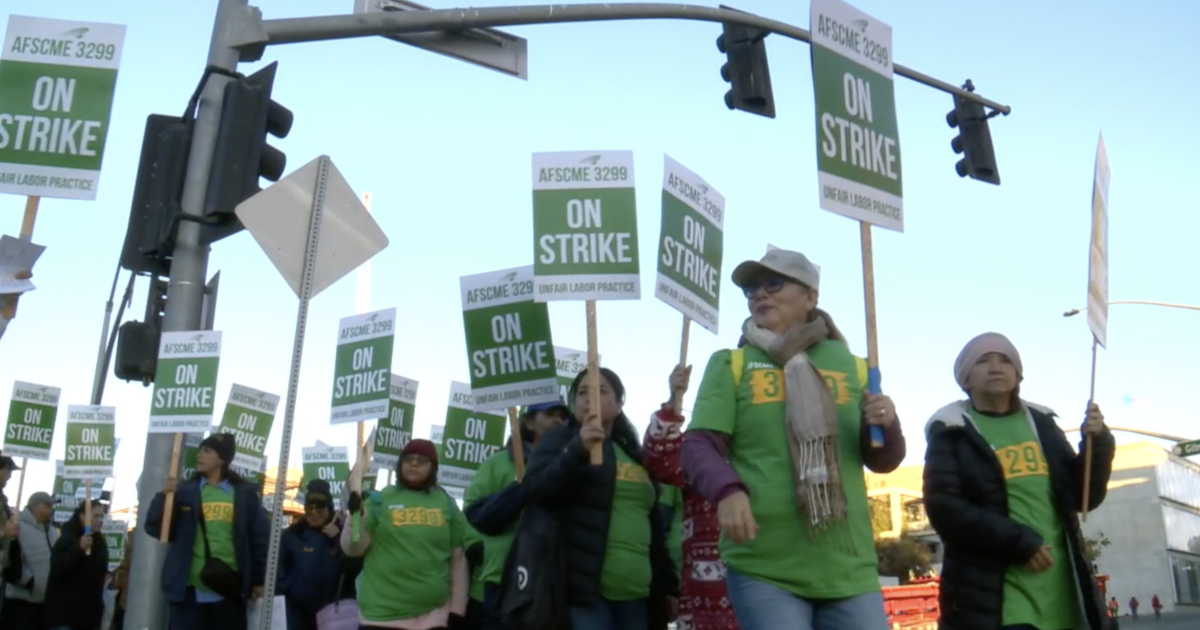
1182, 619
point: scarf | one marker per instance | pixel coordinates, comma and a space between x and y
811, 419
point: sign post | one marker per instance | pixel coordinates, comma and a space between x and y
1097, 304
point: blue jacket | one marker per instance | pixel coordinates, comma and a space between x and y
251, 533
499, 512
310, 566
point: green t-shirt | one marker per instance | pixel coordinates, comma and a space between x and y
626, 573
217, 506
406, 572
1045, 600
672, 498
836, 562
471, 536
494, 475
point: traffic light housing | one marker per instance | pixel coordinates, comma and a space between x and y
746, 69
241, 154
156, 195
137, 342
974, 140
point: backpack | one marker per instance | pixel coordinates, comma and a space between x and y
533, 587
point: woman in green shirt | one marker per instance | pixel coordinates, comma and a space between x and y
619, 575
780, 433
1003, 489
414, 572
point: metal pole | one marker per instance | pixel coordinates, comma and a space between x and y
253, 38
289, 414
102, 352
147, 608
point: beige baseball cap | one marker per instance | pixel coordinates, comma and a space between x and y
784, 262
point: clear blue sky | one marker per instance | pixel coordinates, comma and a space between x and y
444, 148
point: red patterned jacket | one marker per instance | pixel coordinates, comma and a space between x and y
704, 600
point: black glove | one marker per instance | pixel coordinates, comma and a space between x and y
355, 503
457, 622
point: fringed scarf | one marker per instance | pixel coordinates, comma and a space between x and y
812, 421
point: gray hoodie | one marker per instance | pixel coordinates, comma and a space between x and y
36, 542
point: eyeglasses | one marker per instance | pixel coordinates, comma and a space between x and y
773, 284
415, 460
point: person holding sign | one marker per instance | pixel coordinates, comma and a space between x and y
78, 571
496, 498
217, 554
778, 440
29, 567
415, 572
620, 575
1003, 489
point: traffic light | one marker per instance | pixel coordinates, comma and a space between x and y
974, 140
137, 342
241, 154
746, 70
156, 195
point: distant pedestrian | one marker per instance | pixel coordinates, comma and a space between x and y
1133, 606
1156, 605
1114, 609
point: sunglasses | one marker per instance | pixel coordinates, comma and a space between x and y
773, 284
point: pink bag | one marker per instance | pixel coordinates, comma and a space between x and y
341, 615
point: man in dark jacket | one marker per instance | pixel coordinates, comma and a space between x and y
1003, 489
313, 571
239, 540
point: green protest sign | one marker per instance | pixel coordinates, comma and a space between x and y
585, 226
469, 438
191, 446
64, 494
568, 364
57, 80
330, 463
858, 137
31, 415
91, 442
114, 533
508, 340
363, 366
690, 247
395, 430
185, 382
249, 414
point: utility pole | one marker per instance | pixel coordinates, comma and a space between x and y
147, 609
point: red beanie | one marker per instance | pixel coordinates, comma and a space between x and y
421, 447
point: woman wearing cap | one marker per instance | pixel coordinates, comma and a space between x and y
620, 575
415, 574
78, 569
778, 440
217, 514
313, 572
496, 498
1002, 489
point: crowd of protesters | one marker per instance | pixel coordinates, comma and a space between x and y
753, 516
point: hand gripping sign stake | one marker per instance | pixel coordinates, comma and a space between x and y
514, 424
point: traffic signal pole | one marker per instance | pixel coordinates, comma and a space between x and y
147, 606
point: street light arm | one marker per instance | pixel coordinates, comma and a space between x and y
253, 34
1190, 307
1153, 434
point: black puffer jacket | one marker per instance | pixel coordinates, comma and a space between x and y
560, 478
75, 591
967, 503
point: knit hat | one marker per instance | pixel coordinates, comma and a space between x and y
318, 493
223, 444
977, 348
421, 447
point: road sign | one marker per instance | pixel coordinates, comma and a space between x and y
1187, 449
57, 80
858, 139
279, 217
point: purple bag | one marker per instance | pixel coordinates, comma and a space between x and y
340, 615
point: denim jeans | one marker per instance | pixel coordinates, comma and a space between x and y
606, 615
763, 606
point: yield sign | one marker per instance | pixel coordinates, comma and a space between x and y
279, 217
